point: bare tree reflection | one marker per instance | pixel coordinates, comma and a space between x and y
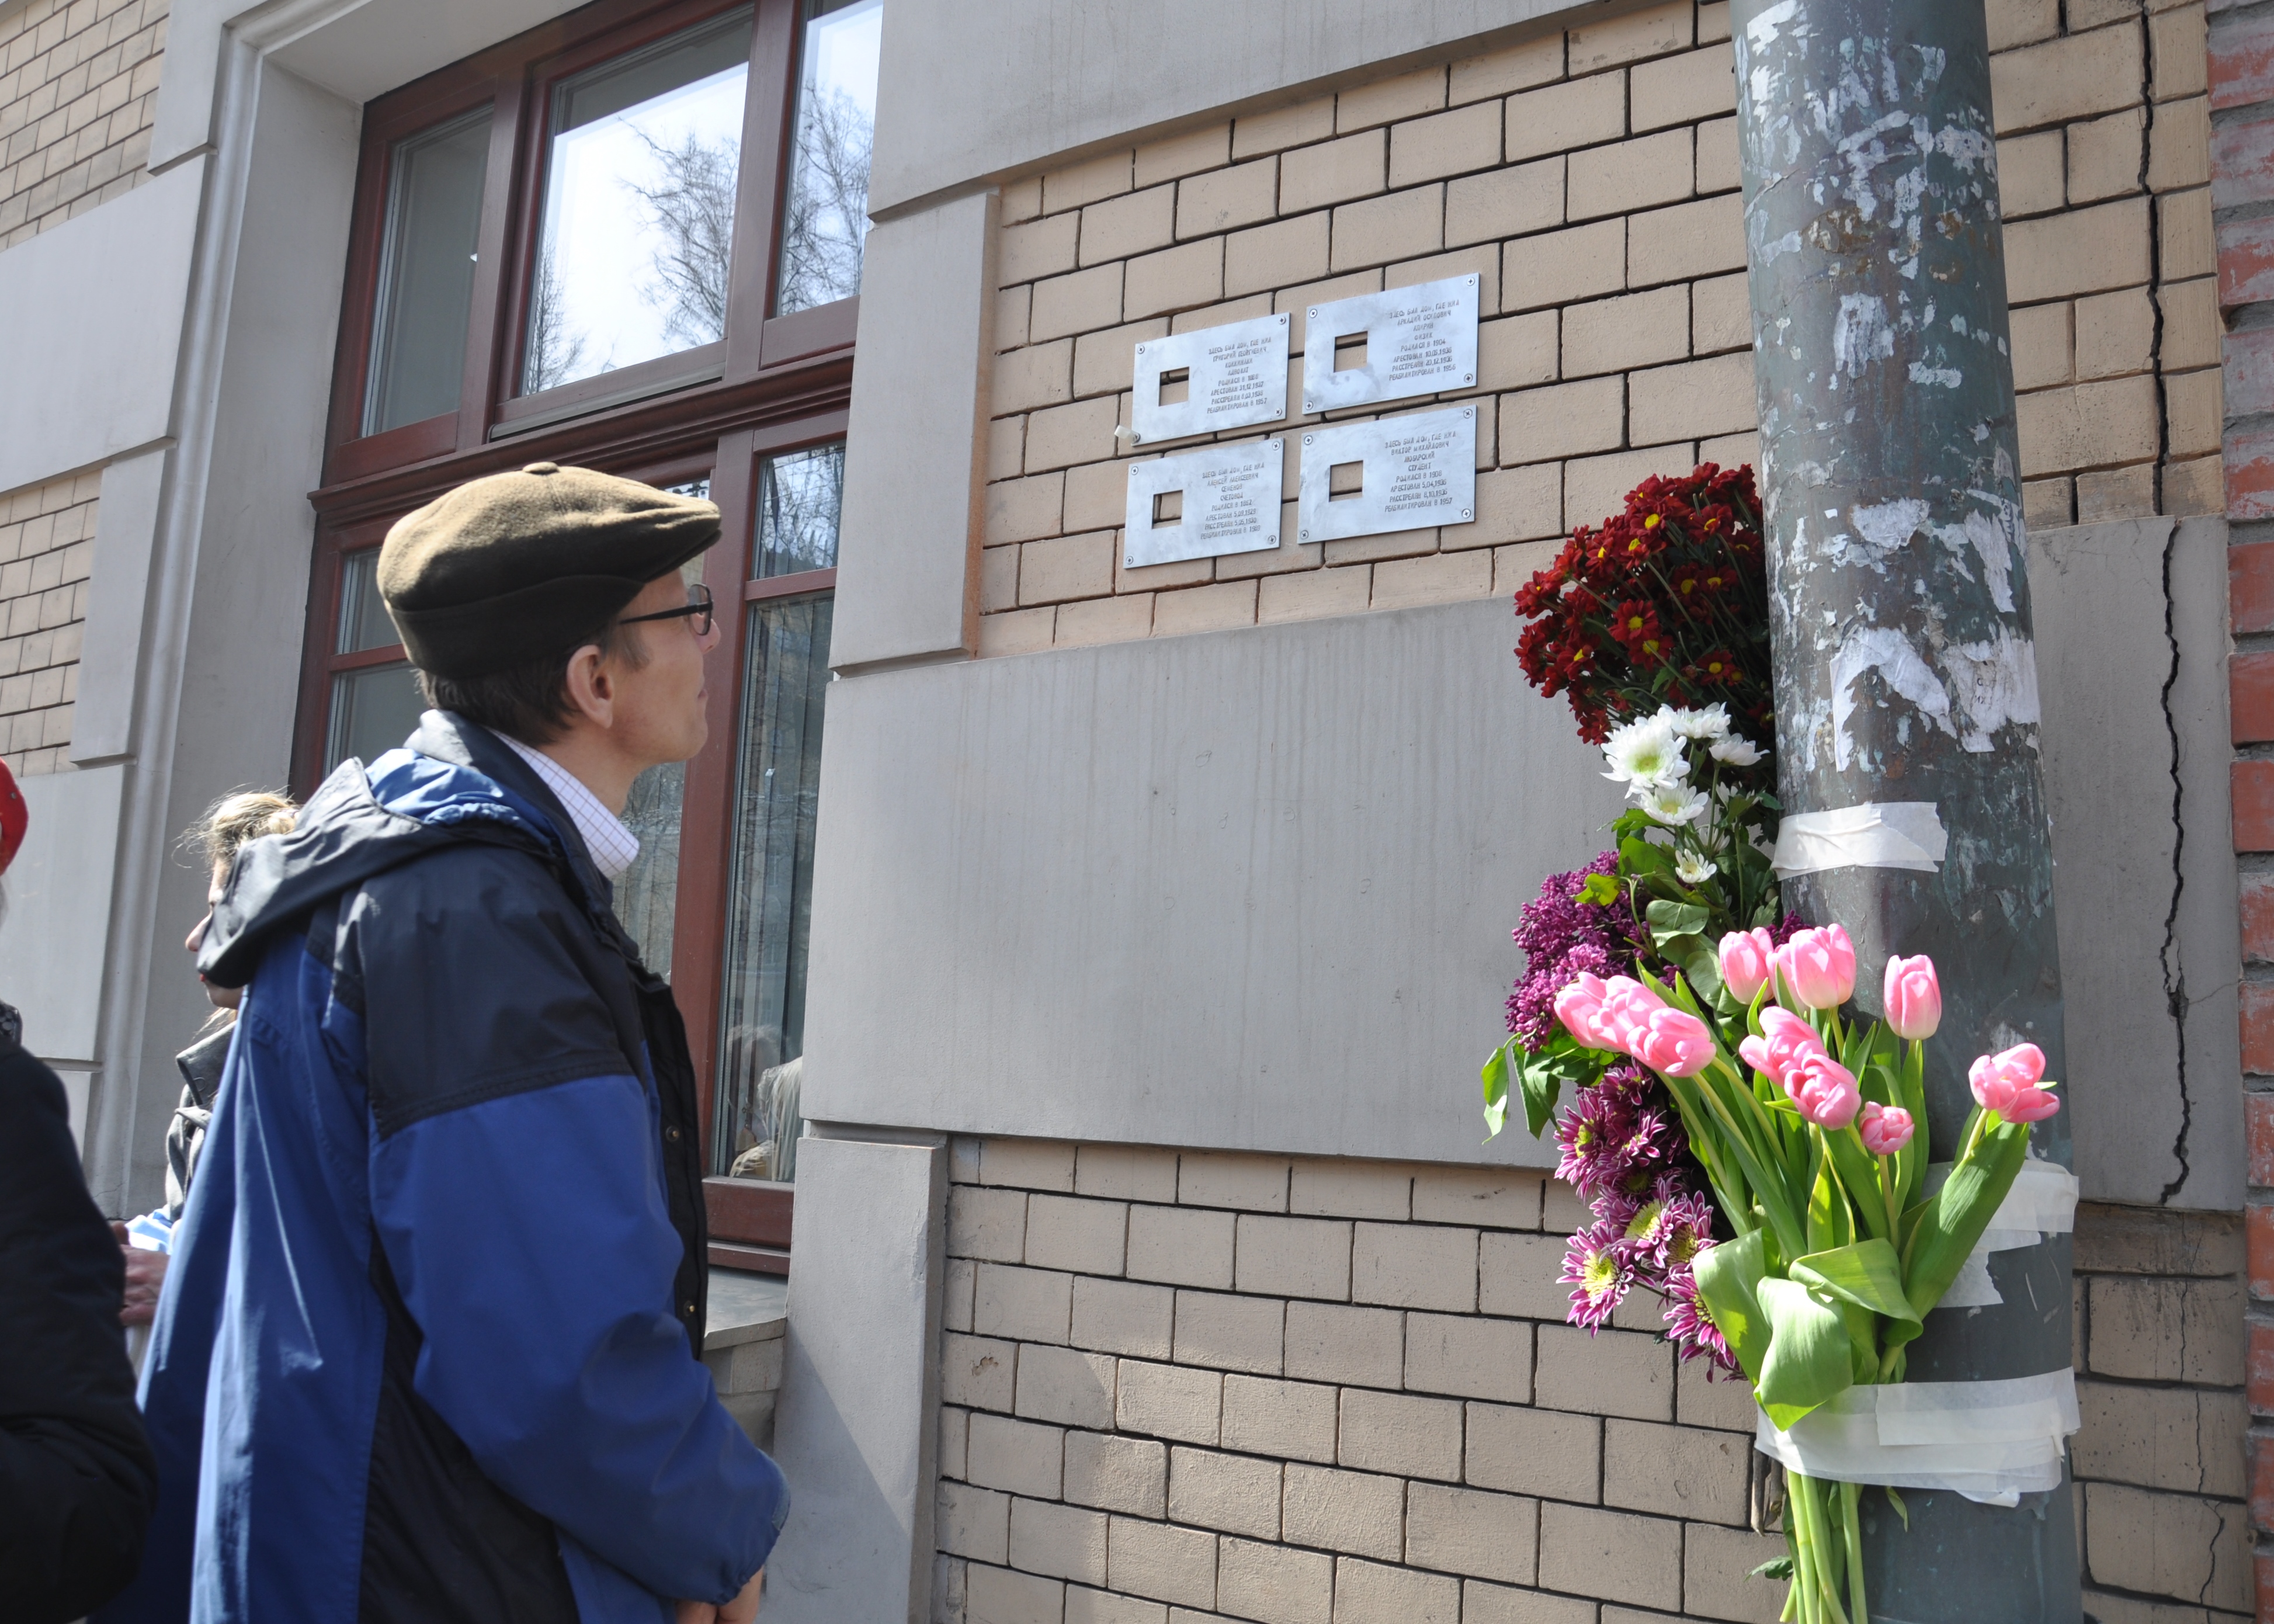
798, 498
556, 350
827, 219
692, 208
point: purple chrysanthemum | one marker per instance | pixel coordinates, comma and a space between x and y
1691, 1328
1594, 1134
1596, 1265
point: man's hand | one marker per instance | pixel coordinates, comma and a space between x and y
146, 1272
741, 1610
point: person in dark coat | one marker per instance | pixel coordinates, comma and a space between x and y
77, 1479
429, 1347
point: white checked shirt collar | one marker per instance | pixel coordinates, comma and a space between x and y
614, 847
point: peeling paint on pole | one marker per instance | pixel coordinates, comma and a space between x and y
1900, 609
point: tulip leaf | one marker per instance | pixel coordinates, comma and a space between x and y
1494, 1078
1700, 967
1868, 1274
1952, 1222
1728, 1278
1859, 1171
1810, 1355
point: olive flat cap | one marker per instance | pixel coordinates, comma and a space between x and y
511, 568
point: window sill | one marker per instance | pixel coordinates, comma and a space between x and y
745, 1308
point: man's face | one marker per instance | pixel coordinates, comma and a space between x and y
222, 997
658, 706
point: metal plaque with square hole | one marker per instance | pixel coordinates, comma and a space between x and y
1233, 376
1419, 341
1415, 472
1230, 500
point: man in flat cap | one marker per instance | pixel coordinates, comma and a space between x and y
429, 1347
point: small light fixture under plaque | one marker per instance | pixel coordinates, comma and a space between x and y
1418, 340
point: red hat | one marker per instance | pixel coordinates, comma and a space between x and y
15, 817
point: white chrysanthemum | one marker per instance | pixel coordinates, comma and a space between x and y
1692, 868
1712, 722
1735, 751
1673, 804
1645, 752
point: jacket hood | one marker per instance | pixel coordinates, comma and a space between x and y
451, 782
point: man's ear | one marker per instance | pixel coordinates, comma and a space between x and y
591, 688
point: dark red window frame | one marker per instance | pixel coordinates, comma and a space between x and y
777, 384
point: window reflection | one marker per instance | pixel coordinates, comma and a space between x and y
825, 219
372, 711
427, 273
639, 206
364, 622
798, 498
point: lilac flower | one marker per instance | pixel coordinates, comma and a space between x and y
1561, 938
1597, 1266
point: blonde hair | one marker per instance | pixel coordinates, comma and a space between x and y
236, 820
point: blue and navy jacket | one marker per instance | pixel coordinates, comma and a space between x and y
426, 1351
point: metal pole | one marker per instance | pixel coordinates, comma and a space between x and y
1900, 615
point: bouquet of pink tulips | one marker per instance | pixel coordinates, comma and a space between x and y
1806, 1123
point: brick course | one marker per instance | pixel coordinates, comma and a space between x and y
78, 80
1593, 188
46, 548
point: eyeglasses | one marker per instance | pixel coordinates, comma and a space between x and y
697, 605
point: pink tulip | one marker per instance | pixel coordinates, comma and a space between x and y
1626, 1003
1580, 1006
1885, 1129
1819, 968
1784, 1041
1824, 1090
1746, 956
1914, 998
2006, 1083
1672, 1042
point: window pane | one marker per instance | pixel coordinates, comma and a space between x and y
647, 896
364, 623
372, 711
798, 497
427, 273
769, 894
639, 206
826, 216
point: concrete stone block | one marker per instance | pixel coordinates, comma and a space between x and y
1367, 1593
2104, 156
1468, 1357
1564, 420
1272, 1584
1505, 202
2060, 81
1676, 1472
2133, 1322
1038, 248
1385, 101
2115, 333
1113, 1316
1411, 1436
1453, 143
1328, 1342
2042, 345
1168, 1401
1699, 239
955, 1440
1230, 1333
1314, 594
1472, 1532
1680, 90
1512, 353
1535, 1452
1611, 1555
1179, 155
1292, 1257
1442, 578
1020, 510
1379, 230
2168, 1545
1130, 224
1291, 1420
1345, 1511
1017, 631
1559, 118
1717, 1581
2179, 146
1513, 504
2188, 246
988, 1224
1078, 303
1065, 1385
2089, 424
1694, 400
1615, 1372
2018, 22
1628, 176
1087, 1606
2178, 47
1183, 1246
1225, 199
971, 1521
2032, 174
1494, 1604
1340, 1189
1174, 279
1723, 1402
1104, 620
1283, 127
1126, 1172
1333, 171
2129, 1240
1084, 1237
1164, 1563
1516, 67
2084, 251
1234, 1493
1102, 365
1414, 1265
1065, 567
1064, 1542
1640, 329
978, 1371
1117, 1473
1018, 1457
1277, 255
998, 581
1213, 1178
1022, 1304
1000, 1596
1492, 1198
2161, 1438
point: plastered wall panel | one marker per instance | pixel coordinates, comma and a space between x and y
58, 928
110, 287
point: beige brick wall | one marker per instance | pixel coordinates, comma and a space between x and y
77, 82
1590, 179
1180, 1388
47, 545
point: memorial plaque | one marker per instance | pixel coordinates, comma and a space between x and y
1415, 472
1232, 377
1203, 504
1418, 340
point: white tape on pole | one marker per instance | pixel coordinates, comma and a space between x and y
1878, 834
2042, 1202
1991, 1441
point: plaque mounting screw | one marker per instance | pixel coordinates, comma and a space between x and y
1141, 349
1465, 513
1306, 439
1468, 378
